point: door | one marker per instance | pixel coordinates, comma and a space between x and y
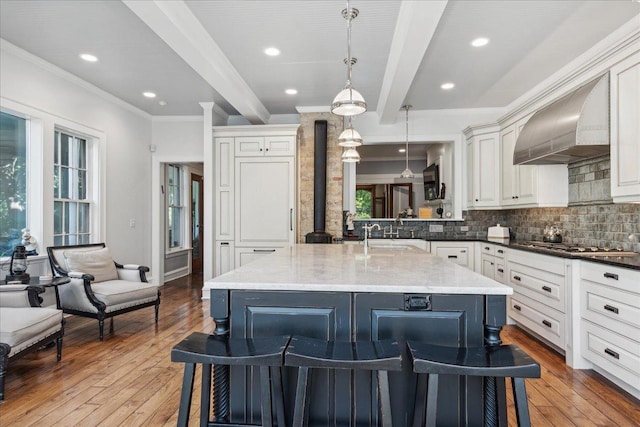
197, 215
401, 197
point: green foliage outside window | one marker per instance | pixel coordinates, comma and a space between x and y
364, 204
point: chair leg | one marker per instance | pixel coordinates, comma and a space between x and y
157, 309
205, 396
265, 396
4, 359
278, 395
186, 394
385, 398
111, 326
501, 400
59, 348
520, 399
420, 400
432, 400
101, 327
301, 409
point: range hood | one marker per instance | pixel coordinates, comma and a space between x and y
573, 128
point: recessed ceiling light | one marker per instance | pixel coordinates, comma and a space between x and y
88, 57
401, 150
291, 91
480, 41
149, 94
162, 103
447, 86
272, 51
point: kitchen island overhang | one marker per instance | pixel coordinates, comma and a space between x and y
335, 292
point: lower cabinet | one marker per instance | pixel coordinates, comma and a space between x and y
610, 322
458, 252
539, 298
224, 261
492, 262
246, 255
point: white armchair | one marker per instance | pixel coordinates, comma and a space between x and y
100, 288
25, 326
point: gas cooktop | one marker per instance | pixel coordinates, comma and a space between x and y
577, 249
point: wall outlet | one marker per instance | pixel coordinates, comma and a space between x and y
464, 228
436, 228
132, 223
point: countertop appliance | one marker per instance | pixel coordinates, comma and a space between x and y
498, 234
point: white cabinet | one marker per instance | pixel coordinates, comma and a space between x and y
264, 202
625, 130
539, 297
254, 173
460, 253
483, 167
610, 324
265, 146
492, 262
529, 185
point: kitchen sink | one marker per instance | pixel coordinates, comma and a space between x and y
390, 247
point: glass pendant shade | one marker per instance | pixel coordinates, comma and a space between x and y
349, 138
351, 155
348, 102
407, 173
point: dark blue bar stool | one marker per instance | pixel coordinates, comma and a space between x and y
489, 361
307, 353
267, 353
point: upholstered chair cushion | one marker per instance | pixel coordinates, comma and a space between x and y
24, 326
98, 263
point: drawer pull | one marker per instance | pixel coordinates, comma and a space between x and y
224, 244
518, 278
452, 256
611, 276
264, 250
500, 270
464, 251
500, 251
546, 288
611, 308
487, 248
517, 307
546, 323
612, 353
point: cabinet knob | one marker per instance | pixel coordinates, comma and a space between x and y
476, 200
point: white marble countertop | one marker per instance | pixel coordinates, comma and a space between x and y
344, 268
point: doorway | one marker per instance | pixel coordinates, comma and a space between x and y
197, 217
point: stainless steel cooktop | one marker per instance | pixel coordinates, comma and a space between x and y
577, 250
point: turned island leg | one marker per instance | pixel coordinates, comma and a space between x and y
494, 388
220, 373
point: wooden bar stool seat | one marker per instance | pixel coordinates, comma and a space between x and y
267, 353
308, 353
489, 361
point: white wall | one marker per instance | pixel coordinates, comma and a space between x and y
178, 137
31, 86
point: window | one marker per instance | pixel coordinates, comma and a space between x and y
13, 181
174, 206
72, 204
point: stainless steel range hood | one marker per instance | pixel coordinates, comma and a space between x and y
573, 128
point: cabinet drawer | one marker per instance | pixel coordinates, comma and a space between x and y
614, 353
500, 251
621, 278
612, 308
486, 248
547, 323
538, 284
501, 271
457, 255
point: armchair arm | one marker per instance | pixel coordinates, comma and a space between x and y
125, 270
20, 295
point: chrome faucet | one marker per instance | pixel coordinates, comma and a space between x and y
390, 232
367, 234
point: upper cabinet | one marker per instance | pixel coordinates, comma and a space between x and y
529, 185
251, 146
625, 130
483, 169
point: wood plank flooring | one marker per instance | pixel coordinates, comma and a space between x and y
129, 379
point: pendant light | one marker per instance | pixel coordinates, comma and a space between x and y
351, 155
350, 137
349, 102
407, 173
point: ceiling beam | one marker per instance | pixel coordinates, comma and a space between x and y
416, 24
174, 23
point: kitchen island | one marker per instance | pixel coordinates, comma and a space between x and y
336, 292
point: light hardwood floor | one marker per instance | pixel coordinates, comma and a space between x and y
129, 379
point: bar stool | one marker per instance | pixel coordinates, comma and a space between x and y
307, 353
488, 361
267, 353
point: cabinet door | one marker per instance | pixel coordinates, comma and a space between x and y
224, 257
279, 145
486, 163
471, 172
224, 166
249, 146
625, 130
488, 266
509, 176
265, 195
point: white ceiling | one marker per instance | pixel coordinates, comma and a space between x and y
200, 50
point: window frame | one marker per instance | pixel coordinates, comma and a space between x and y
181, 207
